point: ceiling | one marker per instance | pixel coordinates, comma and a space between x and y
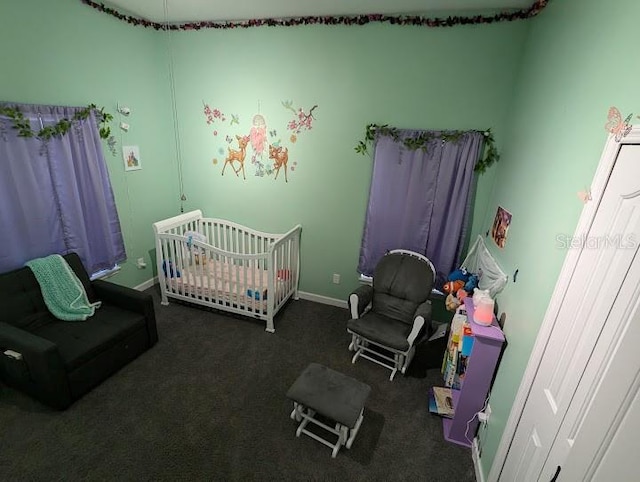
224, 10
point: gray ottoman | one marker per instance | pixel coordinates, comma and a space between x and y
333, 395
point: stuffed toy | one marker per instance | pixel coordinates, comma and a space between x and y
461, 295
452, 287
451, 303
471, 283
459, 274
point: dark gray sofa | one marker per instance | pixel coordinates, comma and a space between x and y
63, 360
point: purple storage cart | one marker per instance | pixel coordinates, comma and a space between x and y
481, 366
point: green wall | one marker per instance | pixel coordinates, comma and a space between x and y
459, 78
578, 60
65, 53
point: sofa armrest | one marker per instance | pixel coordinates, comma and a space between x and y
42, 371
359, 299
129, 299
421, 322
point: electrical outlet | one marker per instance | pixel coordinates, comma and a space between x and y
140, 263
484, 416
336, 279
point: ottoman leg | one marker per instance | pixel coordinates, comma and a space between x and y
342, 438
354, 430
301, 427
297, 409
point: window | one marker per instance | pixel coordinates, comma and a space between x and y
420, 198
56, 196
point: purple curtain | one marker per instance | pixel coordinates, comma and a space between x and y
56, 197
419, 200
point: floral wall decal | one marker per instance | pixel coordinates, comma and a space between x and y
269, 154
213, 114
301, 121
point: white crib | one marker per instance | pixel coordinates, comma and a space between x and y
227, 266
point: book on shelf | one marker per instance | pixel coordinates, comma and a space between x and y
441, 401
459, 346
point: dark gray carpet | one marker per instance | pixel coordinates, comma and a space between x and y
208, 403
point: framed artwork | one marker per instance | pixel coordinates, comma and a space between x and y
500, 227
131, 156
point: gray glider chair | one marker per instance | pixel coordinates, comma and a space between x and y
388, 318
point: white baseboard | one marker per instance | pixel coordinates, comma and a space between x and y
325, 300
477, 463
147, 284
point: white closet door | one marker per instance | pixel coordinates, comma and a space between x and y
597, 438
596, 297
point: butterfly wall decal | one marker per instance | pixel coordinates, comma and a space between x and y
585, 196
616, 125
235, 119
273, 133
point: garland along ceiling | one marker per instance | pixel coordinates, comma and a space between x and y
224, 10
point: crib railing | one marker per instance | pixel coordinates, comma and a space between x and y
235, 238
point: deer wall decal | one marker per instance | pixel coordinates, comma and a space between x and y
238, 156
280, 156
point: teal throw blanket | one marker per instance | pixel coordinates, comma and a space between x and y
62, 291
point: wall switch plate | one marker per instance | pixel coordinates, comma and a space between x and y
140, 263
336, 279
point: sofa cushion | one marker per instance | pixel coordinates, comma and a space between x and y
22, 302
80, 341
21, 297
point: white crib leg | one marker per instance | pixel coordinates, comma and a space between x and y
270, 328
165, 300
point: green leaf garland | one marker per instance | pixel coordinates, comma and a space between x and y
23, 126
422, 140
332, 20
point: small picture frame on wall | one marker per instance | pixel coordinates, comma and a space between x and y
131, 156
500, 226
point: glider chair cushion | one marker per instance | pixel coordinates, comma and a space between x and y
388, 317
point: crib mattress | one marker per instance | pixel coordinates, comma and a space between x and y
224, 281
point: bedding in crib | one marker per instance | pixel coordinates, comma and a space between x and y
227, 281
